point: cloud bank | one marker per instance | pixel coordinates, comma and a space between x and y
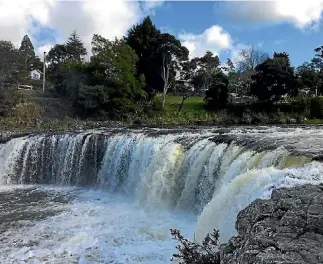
300, 13
110, 18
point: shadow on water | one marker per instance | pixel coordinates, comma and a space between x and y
21, 206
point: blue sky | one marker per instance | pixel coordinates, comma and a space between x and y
269, 36
293, 26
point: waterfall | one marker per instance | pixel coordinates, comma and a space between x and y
172, 171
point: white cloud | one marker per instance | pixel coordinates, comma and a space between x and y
215, 39
301, 13
150, 6
109, 18
44, 48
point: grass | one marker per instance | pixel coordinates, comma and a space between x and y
193, 112
314, 121
194, 103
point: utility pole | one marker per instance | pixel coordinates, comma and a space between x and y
44, 72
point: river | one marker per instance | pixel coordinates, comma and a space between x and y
112, 195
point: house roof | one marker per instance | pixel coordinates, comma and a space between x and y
36, 71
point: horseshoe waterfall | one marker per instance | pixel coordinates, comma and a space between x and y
111, 196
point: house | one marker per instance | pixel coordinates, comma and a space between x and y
35, 74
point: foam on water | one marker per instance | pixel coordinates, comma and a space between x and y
149, 182
96, 227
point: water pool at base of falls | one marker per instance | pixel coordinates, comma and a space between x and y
92, 227
113, 196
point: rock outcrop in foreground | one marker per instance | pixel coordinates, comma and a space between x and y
287, 229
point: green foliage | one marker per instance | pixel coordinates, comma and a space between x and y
158, 55
317, 107
8, 98
115, 64
9, 61
274, 78
91, 100
216, 97
194, 253
75, 48
301, 104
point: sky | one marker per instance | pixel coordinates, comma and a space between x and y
223, 27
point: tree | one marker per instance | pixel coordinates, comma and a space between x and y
206, 67
115, 64
27, 53
250, 58
141, 38
184, 85
56, 57
195, 253
9, 61
274, 78
169, 54
240, 79
318, 58
159, 56
75, 48
216, 97
309, 77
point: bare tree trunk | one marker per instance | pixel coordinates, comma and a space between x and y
165, 76
181, 105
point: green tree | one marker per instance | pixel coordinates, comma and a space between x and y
309, 77
56, 57
75, 48
9, 62
27, 53
115, 64
245, 68
216, 97
206, 67
274, 78
169, 54
141, 38
159, 56
184, 85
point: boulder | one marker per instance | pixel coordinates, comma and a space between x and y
286, 229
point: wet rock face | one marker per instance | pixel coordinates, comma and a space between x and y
287, 229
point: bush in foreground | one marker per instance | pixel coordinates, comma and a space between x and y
194, 253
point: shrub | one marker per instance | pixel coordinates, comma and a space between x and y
301, 104
8, 98
317, 107
194, 253
27, 110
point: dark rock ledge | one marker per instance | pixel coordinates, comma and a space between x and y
286, 229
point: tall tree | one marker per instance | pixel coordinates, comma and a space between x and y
250, 58
56, 57
159, 56
184, 86
274, 78
240, 79
75, 48
169, 54
207, 66
115, 63
27, 49
29, 61
141, 38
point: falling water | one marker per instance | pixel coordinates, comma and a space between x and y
187, 172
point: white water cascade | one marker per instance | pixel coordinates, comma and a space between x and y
187, 172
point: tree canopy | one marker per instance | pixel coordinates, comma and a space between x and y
274, 78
